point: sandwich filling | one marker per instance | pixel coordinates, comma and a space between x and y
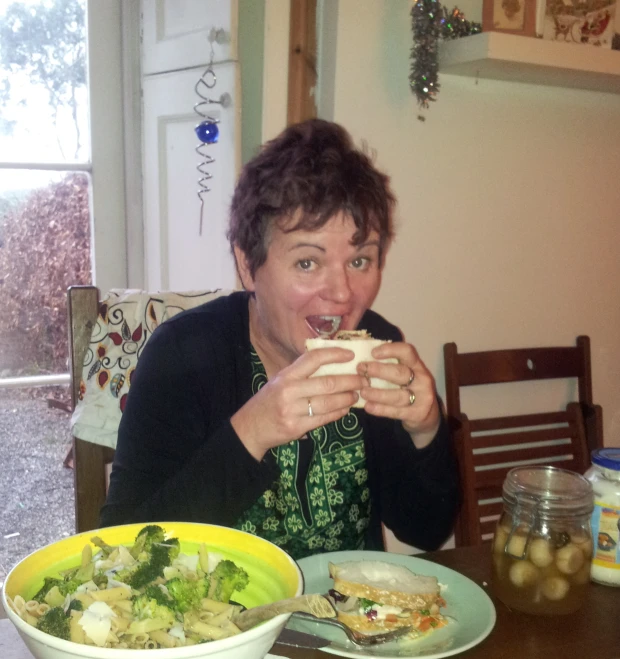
373, 597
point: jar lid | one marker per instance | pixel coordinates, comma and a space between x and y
550, 490
607, 457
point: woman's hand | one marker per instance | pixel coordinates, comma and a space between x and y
293, 403
414, 402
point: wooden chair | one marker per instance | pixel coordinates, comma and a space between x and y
122, 321
90, 461
482, 444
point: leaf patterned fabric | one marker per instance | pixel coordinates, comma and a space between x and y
125, 322
329, 509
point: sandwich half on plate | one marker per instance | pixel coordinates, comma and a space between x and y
373, 597
362, 345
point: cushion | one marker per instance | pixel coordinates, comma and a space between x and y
126, 321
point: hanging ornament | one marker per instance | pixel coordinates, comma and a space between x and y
207, 131
430, 22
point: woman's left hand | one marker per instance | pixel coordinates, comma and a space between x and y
414, 403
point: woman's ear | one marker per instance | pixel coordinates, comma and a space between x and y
243, 269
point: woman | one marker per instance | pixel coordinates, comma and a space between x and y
224, 423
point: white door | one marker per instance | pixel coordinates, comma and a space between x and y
176, 52
176, 33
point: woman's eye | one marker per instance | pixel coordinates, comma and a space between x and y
360, 263
305, 264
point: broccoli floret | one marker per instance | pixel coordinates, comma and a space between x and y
55, 622
151, 564
75, 605
187, 594
226, 578
157, 594
146, 538
48, 584
101, 581
66, 587
152, 567
154, 603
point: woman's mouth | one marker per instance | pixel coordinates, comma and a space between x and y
324, 326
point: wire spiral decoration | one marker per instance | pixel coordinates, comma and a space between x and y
207, 130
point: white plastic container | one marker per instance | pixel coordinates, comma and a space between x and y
604, 474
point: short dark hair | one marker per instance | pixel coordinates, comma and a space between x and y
312, 169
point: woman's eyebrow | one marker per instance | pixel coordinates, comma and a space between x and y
305, 245
302, 245
370, 243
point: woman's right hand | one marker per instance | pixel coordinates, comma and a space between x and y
280, 411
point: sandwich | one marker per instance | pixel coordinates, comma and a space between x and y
373, 597
362, 344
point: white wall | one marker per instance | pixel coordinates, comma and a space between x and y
509, 208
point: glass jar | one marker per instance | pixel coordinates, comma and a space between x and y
604, 474
542, 547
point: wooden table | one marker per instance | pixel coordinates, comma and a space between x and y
593, 632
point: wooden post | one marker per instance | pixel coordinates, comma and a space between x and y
302, 61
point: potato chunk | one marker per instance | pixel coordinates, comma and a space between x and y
541, 553
569, 559
555, 588
523, 574
516, 545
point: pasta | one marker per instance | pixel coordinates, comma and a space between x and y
129, 597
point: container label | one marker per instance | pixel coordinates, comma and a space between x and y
606, 535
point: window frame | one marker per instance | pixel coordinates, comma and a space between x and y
113, 75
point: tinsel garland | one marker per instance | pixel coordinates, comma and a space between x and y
430, 21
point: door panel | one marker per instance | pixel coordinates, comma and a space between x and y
175, 33
178, 258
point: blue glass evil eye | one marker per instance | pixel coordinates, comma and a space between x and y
207, 132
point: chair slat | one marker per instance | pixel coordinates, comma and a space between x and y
496, 366
523, 437
519, 421
520, 453
487, 509
495, 477
488, 527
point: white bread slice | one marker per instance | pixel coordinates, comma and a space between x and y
362, 349
385, 583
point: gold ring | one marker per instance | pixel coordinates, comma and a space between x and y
310, 412
411, 398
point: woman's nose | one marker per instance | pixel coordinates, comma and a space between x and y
338, 287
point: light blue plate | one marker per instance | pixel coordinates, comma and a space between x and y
471, 612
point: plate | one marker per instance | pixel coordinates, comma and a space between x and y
471, 611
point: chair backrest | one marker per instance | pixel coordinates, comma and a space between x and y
106, 338
488, 448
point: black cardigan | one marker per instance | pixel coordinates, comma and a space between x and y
178, 457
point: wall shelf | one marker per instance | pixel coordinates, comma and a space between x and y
537, 61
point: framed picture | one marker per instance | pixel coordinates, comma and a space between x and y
510, 17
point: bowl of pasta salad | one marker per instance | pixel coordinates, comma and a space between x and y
168, 590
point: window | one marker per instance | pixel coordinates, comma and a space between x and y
44, 180
62, 222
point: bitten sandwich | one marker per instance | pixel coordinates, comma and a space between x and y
362, 344
373, 597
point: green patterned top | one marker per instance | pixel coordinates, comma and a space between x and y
329, 509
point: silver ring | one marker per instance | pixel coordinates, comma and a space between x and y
411, 398
310, 412
410, 378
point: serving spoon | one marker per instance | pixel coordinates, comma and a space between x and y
318, 609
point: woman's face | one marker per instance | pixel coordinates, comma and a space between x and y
312, 283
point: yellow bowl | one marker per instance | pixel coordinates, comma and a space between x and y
274, 575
